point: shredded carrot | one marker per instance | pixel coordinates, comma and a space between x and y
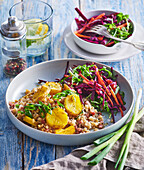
121, 26
117, 95
87, 24
92, 19
81, 30
101, 82
119, 98
99, 16
116, 100
110, 43
83, 36
100, 38
86, 81
121, 111
84, 77
66, 75
108, 97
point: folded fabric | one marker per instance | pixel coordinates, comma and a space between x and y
135, 157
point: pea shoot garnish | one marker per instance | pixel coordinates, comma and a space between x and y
43, 109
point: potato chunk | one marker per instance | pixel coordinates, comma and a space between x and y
67, 131
66, 87
55, 87
58, 119
29, 121
41, 92
73, 104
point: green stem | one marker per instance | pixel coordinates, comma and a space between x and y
131, 125
104, 138
121, 166
98, 158
118, 134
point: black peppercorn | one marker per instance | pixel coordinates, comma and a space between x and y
14, 66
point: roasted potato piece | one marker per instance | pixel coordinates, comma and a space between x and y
55, 87
67, 131
58, 119
73, 104
43, 91
66, 87
29, 121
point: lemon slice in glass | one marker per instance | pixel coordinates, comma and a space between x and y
36, 29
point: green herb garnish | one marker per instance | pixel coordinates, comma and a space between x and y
85, 71
43, 109
17, 106
28, 113
63, 94
110, 75
60, 104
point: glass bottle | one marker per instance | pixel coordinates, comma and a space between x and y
13, 46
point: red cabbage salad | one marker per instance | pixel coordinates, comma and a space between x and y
98, 85
118, 25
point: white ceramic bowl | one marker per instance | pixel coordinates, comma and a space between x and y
99, 48
51, 70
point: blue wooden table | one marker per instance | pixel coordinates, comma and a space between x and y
18, 151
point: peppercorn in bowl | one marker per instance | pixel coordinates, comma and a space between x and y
62, 109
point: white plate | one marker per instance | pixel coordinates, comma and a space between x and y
49, 71
127, 52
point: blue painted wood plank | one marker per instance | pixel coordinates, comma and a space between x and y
10, 137
37, 153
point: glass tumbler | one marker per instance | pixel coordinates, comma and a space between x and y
37, 16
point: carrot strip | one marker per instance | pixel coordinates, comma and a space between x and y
92, 19
87, 82
117, 95
80, 30
116, 100
121, 26
101, 82
109, 99
110, 43
105, 93
83, 28
84, 77
100, 38
121, 111
119, 98
66, 75
99, 16
83, 36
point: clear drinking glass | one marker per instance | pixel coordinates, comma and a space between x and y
37, 16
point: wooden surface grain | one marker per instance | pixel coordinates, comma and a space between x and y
18, 151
